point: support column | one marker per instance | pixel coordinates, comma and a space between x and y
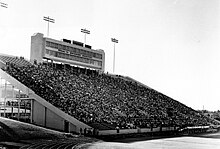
45, 117
19, 100
31, 110
5, 97
13, 96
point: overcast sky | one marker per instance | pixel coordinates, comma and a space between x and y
169, 45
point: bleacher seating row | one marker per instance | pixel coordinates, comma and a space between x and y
20, 61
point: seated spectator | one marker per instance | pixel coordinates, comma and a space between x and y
101, 98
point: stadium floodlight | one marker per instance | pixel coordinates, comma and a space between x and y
49, 20
3, 5
115, 41
85, 31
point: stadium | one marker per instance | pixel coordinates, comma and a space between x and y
64, 87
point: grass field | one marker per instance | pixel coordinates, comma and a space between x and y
11, 130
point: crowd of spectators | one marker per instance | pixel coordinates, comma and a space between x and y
94, 97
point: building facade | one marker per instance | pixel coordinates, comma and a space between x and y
66, 51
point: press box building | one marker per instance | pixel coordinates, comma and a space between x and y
66, 51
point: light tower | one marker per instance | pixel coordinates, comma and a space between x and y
85, 31
49, 20
3, 5
114, 41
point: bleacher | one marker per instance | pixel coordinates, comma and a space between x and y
20, 61
100, 100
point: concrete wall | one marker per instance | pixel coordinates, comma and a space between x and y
76, 123
73, 128
38, 113
138, 130
37, 48
121, 131
45, 117
54, 121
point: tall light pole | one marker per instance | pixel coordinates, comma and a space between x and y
3, 5
85, 31
49, 20
115, 41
